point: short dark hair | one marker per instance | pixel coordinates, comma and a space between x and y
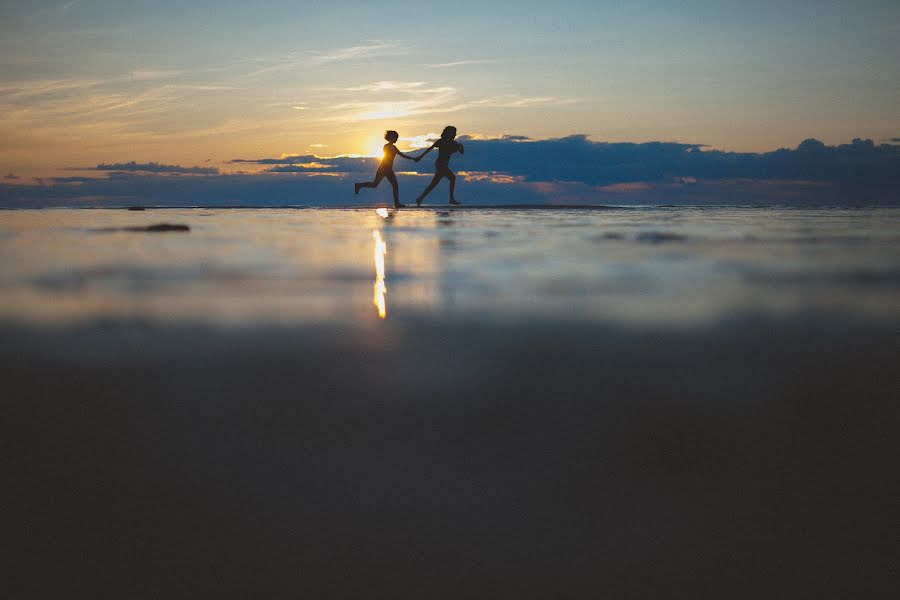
449, 132
390, 133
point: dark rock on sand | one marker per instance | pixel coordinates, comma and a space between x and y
157, 228
659, 237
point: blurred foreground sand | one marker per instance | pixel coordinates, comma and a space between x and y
449, 458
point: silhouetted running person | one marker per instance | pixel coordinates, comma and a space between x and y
446, 146
386, 168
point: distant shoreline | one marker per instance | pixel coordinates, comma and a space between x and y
588, 207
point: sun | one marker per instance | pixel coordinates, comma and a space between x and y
376, 147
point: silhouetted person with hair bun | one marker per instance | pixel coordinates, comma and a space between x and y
386, 168
446, 146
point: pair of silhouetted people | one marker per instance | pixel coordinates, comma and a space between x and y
446, 145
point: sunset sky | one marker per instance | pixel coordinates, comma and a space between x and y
90, 81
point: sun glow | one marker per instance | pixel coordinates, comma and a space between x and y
376, 147
379, 289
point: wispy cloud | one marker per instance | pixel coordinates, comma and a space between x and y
461, 63
523, 101
425, 102
387, 86
419, 99
54, 111
315, 58
36, 88
150, 74
398, 99
369, 50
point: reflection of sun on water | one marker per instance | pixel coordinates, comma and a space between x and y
379, 289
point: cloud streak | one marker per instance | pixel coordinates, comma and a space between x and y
153, 167
150, 74
387, 86
461, 63
317, 58
417, 98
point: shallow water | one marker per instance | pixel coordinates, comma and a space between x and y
639, 265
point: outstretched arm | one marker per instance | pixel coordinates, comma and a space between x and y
426, 152
407, 156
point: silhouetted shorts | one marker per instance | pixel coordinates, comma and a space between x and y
442, 169
385, 174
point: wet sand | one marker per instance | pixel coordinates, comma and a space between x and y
753, 458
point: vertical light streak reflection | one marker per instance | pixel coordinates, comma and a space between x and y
379, 290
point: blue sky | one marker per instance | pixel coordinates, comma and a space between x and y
86, 82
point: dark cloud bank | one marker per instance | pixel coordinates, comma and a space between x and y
156, 168
509, 170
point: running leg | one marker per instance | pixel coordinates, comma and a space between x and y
370, 184
434, 182
396, 188
452, 178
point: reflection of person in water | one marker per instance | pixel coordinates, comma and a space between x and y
446, 146
386, 168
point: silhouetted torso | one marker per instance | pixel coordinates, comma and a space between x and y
387, 159
446, 148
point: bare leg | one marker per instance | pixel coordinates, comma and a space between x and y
452, 179
434, 182
369, 184
396, 188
